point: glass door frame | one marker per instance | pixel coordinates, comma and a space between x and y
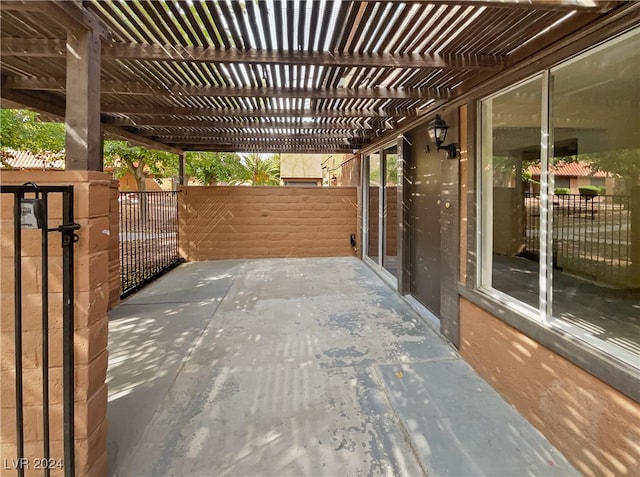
377, 265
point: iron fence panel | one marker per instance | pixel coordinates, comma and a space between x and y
591, 235
148, 237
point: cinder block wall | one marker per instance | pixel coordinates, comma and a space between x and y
592, 424
91, 275
257, 222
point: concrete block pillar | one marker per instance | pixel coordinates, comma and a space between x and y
91, 297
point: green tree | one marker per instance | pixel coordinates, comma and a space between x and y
214, 167
21, 129
139, 161
623, 163
259, 171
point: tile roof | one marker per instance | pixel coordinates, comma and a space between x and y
571, 169
26, 160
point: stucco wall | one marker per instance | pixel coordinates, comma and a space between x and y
256, 222
594, 426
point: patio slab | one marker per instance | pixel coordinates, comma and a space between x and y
299, 367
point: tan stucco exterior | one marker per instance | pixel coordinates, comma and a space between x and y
302, 167
594, 426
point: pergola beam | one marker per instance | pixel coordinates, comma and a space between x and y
234, 123
583, 6
136, 139
140, 89
25, 99
70, 15
153, 110
136, 51
277, 148
249, 139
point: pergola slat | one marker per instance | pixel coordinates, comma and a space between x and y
156, 110
176, 68
131, 88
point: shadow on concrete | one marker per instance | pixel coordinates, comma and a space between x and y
300, 367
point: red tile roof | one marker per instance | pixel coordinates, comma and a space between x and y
29, 161
571, 169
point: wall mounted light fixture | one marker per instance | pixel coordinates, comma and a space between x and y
438, 133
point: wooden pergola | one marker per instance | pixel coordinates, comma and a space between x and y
265, 76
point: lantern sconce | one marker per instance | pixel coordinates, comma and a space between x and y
437, 133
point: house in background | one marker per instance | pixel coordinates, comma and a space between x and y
302, 170
128, 183
573, 175
27, 161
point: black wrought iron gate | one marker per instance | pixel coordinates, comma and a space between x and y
148, 237
31, 204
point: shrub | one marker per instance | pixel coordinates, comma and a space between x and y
589, 190
561, 191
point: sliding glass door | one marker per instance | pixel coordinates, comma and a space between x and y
373, 209
390, 210
382, 209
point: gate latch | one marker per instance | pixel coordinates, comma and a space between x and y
68, 234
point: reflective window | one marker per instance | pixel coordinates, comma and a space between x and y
390, 261
595, 119
561, 228
373, 207
511, 144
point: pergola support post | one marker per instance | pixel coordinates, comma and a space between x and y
83, 142
181, 169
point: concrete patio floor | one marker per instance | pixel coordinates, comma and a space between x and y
299, 367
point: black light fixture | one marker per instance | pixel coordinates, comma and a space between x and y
438, 132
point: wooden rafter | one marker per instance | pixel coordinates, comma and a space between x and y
584, 6
142, 89
68, 14
180, 75
266, 136
137, 51
153, 110
174, 123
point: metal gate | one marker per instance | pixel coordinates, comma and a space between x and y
148, 237
31, 210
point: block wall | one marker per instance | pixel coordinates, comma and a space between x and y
257, 222
91, 274
594, 426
